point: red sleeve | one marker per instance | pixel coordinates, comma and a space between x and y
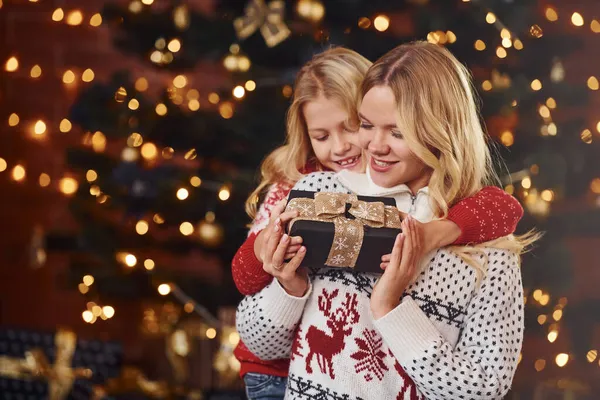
247, 270
248, 273
487, 215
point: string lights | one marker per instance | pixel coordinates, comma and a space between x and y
94, 311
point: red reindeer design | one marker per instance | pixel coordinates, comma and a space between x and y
323, 345
407, 383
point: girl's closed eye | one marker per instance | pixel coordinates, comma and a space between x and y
322, 138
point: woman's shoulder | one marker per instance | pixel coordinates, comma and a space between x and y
479, 261
321, 181
451, 278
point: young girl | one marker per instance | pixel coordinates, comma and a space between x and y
317, 139
321, 136
457, 332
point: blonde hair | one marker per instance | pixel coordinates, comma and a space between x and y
334, 74
439, 119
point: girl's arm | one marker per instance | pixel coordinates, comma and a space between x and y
487, 215
246, 268
484, 360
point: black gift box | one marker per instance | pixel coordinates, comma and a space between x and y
102, 358
318, 237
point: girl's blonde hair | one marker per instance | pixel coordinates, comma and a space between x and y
333, 74
439, 119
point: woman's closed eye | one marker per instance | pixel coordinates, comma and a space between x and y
321, 138
365, 125
397, 135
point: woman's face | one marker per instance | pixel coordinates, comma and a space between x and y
391, 162
335, 147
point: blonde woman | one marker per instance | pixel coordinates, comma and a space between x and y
321, 135
448, 328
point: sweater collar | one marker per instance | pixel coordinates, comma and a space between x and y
416, 205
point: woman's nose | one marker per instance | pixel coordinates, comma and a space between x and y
378, 144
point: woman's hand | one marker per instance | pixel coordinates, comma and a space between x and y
278, 219
400, 271
433, 235
293, 278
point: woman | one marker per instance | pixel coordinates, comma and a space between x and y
457, 331
318, 139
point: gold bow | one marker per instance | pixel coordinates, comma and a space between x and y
349, 233
268, 18
60, 376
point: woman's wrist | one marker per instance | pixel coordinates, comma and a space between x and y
296, 287
381, 310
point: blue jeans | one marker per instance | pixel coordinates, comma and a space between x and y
263, 387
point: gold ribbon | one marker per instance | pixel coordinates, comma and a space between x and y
268, 18
60, 376
349, 233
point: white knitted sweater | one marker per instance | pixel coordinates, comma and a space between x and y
450, 338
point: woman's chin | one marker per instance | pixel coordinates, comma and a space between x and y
382, 180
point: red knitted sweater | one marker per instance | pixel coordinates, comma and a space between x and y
501, 214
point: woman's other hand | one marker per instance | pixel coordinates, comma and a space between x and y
399, 272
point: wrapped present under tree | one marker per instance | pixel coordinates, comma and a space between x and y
54, 366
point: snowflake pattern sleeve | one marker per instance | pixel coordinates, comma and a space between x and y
489, 214
276, 193
246, 268
482, 363
267, 321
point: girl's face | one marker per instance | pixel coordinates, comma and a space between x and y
391, 162
335, 147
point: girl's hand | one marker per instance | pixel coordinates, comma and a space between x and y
293, 279
401, 269
278, 220
433, 235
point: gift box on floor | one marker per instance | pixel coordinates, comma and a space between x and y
344, 230
55, 366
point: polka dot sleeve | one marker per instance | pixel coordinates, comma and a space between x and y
320, 182
483, 363
268, 320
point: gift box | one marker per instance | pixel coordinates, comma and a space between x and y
54, 366
344, 230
